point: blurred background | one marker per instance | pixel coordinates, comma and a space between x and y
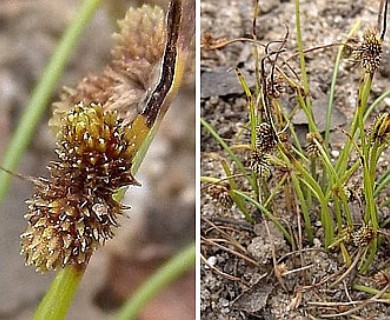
162, 215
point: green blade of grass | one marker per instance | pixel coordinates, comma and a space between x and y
233, 186
333, 84
382, 182
303, 206
224, 145
268, 215
43, 91
376, 103
175, 267
370, 290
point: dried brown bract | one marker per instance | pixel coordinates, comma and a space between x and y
128, 79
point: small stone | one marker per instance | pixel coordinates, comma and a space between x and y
212, 261
317, 243
335, 154
224, 302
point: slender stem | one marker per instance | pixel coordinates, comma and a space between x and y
176, 266
58, 298
268, 214
382, 182
303, 205
300, 48
370, 290
372, 251
43, 91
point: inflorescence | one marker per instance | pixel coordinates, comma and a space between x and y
73, 212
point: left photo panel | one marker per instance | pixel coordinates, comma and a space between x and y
97, 159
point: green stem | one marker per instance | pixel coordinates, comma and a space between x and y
303, 205
332, 92
58, 298
300, 48
383, 181
363, 94
176, 266
43, 91
372, 251
370, 290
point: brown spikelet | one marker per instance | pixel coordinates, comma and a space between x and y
259, 164
220, 194
73, 212
126, 81
311, 148
275, 87
265, 138
370, 51
362, 236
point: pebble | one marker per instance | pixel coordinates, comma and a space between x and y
335, 153
224, 303
317, 243
387, 101
212, 261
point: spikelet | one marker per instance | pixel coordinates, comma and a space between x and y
100, 127
265, 138
260, 164
370, 51
73, 212
219, 193
311, 148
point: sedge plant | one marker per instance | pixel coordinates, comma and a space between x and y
273, 171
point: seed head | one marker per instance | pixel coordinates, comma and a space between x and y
266, 140
220, 194
260, 165
73, 213
370, 51
311, 148
363, 236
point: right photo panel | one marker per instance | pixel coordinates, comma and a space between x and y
295, 131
